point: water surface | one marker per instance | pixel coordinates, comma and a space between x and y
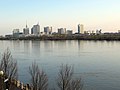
97, 62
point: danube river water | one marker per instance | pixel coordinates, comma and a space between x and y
96, 62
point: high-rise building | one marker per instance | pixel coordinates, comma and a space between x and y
48, 30
32, 30
35, 29
81, 28
62, 31
26, 30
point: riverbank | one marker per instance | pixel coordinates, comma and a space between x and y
67, 37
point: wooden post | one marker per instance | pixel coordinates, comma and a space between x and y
18, 84
21, 86
26, 88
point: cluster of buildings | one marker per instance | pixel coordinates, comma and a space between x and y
35, 31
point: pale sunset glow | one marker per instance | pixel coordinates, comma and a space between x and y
94, 14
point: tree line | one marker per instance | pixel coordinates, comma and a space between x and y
38, 78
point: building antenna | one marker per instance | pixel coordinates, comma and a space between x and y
26, 23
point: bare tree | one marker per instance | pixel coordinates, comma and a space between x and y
8, 65
39, 79
76, 84
65, 79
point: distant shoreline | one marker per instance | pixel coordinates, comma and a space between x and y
109, 37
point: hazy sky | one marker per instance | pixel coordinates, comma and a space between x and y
94, 14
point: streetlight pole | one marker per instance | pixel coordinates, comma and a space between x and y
1, 80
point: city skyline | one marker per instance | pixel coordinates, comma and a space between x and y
60, 14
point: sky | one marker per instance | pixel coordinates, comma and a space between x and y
93, 14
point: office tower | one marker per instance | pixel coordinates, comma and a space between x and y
26, 30
35, 29
81, 28
62, 31
48, 30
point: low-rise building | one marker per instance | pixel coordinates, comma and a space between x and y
16, 33
62, 31
119, 31
69, 32
48, 30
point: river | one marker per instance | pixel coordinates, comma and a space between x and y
96, 62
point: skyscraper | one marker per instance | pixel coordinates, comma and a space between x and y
26, 30
35, 29
81, 28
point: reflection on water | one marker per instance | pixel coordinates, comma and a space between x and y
97, 62
27, 46
35, 47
